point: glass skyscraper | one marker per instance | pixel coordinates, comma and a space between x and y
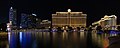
24, 20
28, 21
13, 16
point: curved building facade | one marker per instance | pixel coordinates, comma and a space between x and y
73, 19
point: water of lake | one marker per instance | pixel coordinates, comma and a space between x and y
55, 40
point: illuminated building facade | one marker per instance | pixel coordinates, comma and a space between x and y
9, 26
32, 21
45, 24
13, 16
28, 21
108, 22
38, 22
24, 20
73, 19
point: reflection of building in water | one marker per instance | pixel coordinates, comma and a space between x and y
13, 39
108, 22
101, 41
73, 19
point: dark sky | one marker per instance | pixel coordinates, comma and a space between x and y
95, 9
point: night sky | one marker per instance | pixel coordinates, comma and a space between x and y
95, 9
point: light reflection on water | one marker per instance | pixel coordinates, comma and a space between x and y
20, 36
57, 40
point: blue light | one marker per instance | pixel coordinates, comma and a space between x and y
99, 32
9, 36
13, 40
54, 30
113, 32
20, 36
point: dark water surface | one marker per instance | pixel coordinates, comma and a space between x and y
55, 40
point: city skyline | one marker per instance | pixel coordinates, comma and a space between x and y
59, 24
44, 9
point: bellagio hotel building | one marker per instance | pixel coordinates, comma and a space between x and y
72, 19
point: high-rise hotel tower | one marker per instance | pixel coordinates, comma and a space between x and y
73, 19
